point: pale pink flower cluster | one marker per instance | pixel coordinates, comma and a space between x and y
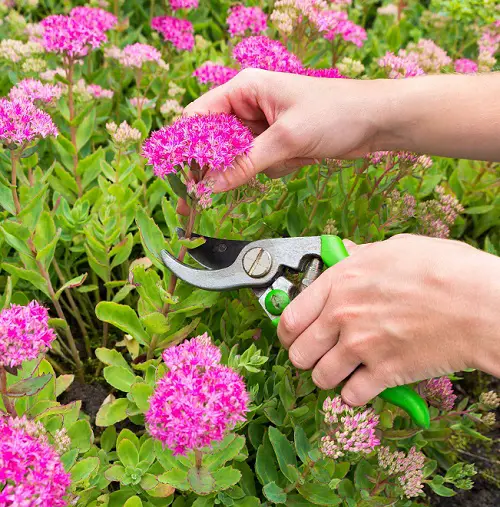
31, 472
98, 92
388, 10
15, 50
490, 399
287, 14
336, 23
407, 468
198, 400
183, 4
212, 141
50, 74
350, 430
427, 55
201, 192
123, 135
73, 35
21, 122
246, 20
439, 392
136, 55
489, 44
24, 333
403, 207
214, 74
171, 107
404, 157
465, 66
35, 91
398, 66
179, 32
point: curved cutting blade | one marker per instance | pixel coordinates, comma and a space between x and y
215, 253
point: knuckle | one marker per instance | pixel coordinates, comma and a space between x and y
356, 345
343, 314
250, 75
288, 326
285, 134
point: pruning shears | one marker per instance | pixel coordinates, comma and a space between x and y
263, 266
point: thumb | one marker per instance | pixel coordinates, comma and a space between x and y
267, 150
361, 387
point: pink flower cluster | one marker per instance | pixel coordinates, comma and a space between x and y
35, 91
201, 191
179, 32
439, 392
427, 55
24, 333
335, 23
328, 73
407, 468
489, 43
74, 34
198, 400
98, 92
136, 55
214, 74
31, 472
21, 122
260, 52
246, 20
401, 157
212, 141
350, 430
183, 4
398, 67
465, 66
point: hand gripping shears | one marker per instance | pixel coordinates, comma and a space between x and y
262, 266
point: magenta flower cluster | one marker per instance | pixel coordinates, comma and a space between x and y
21, 122
183, 4
212, 141
31, 472
198, 400
213, 74
179, 32
201, 192
24, 333
407, 469
73, 35
465, 66
439, 392
35, 91
246, 20
349, 430
328, 73
335, 23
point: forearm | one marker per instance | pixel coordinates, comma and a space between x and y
445, 115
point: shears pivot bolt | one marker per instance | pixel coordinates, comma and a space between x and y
257, 262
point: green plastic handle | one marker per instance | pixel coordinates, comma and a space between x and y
333, 251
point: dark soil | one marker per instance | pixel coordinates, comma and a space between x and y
91, 395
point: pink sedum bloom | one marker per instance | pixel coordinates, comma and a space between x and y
398, 67
465, 66
21, 122
439, 393
179, 32
427, 55
183, 4
329, 73
261, 52
212, 141
136, 55
98, 92
95, 17
31, 472
335, 23
34, 90
214, 74
350, 430
198, 400
24, 333
246, 20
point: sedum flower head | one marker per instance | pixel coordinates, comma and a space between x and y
177, 31
407, 469
334, 23
214, 74
99, 19
198, 400
183, 4
398, 66
465, 66
328, 73
349, 430
34, 65
31, 472
171, 107
490, 399
35, 91
97, 92
15, 50
21, 122
136, 55
439, 392
287, 14
261, 52
350, 68
123, 135
427, 55
246, 20
212, 141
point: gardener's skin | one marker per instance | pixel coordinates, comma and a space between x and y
400, 310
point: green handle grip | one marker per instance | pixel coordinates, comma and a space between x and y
333, 251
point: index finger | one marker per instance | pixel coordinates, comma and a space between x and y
214, 101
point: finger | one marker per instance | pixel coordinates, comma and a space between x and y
334, 367
314, 342
214, 101
183, 208
362, 387
287, 166
303, 310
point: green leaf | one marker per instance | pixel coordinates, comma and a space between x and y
111, 357
83, 469
119, 377
364, 471
151, 236
81, 435
140, 393
265, 465
122, 251
274, 493
124, 318
302, 445
133, 501
226, 477
319, 494
192, 243
148, 482
201, 480
176, 478
74, 282
285, 453
113, 412
441, 490
177, 186
115, 473
85, 129
227, 450
108, 439
33, 277
156, 323
479, 210
68, 459
128, 454
28, 387
62, 383
341, 469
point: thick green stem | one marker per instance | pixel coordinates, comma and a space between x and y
9, 406
14, 160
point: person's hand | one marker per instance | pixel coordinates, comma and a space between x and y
297, 120
396, 312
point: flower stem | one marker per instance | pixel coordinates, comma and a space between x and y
14, 160
198, 456
9, 406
